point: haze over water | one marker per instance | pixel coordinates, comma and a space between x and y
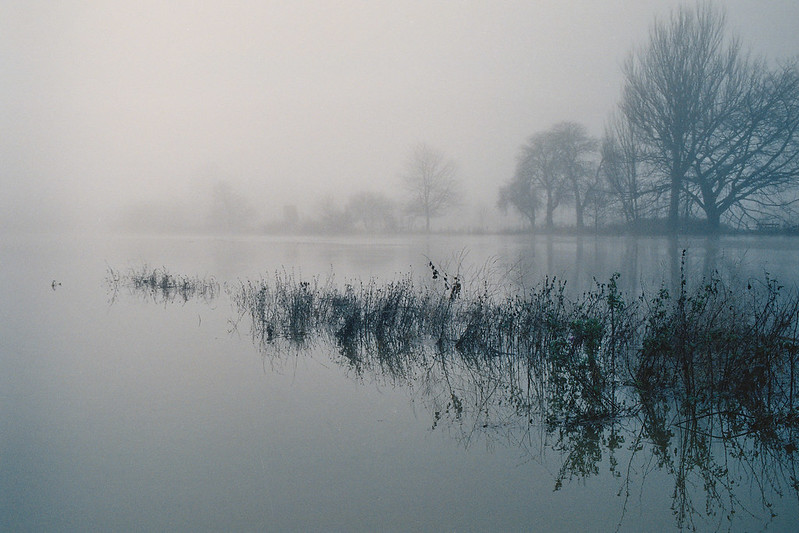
126, 409
218, 143
115, 109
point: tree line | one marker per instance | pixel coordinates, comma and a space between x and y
704, 135
429, 185
703, 132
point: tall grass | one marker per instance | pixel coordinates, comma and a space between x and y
733, 350
706, 370
600, 354
707, 343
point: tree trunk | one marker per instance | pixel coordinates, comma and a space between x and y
674, 201
713, 215
578, 209
531, 219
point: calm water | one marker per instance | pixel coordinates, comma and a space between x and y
121, 412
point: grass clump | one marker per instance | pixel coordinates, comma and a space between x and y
362, 316
573, 359
163, 286
705, 371
725, 349
708, 344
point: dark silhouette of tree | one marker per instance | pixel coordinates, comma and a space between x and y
520, 194
596, 200
627, 175
718, 126
671, 86
538, 168
553, 167
752, 156
574, 149
430, 183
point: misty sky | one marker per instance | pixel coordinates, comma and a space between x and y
108, 104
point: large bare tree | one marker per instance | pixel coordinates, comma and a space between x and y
751, 156
672, 86
718, 125
520, 194
430, 183
538, 168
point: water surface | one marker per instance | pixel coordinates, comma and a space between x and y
121, 411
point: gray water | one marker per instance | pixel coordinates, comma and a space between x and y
122, 412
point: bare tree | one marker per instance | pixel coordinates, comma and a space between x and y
596, 199
751, 156
430, 183
625, 169
672, 86
538, 165
721, 127
520, 194
372, 212
331, 218
554, 166
574, 149
229, 211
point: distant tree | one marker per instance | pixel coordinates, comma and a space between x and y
372, 212
520, 194
575, 162
430, 183
291, 217
596, 200
538, 171
555, 165
718, 126
230, 211
331, 218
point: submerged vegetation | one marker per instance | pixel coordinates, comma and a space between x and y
708, 343
701, 376
161, 285
706, 373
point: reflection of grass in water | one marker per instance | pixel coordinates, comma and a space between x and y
162, 285
714, 345
580, 356
706, 372
708, 343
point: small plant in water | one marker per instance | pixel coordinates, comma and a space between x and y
163, 286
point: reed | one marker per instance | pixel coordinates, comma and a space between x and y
705, 370
709, 343
597, 355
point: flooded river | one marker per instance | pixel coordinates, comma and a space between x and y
120, 410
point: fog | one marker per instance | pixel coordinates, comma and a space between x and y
115, 110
